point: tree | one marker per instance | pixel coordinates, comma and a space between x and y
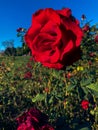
10, 51
9, 47
8, 43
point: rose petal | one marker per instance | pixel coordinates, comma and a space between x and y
43, 16
65, 12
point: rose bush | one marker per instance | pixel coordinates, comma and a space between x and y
54, 37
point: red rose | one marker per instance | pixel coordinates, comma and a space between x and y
85, 104
54, 37
33, 119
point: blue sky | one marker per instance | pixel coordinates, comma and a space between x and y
18, 13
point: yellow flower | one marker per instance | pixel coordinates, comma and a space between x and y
96, 59
92, 112
80, 68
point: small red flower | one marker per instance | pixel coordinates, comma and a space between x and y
69, 75
19, 29
89, 62
92, 54
31, 58
86, 28
96, 38
28, 75
85, 104
47, 90
83, 17
29, 65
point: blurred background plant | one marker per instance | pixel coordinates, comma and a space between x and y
24, 49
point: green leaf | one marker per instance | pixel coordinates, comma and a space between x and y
70, 87
86, 82
39, 97
86, 90
94, 88
85, 128
51, 100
